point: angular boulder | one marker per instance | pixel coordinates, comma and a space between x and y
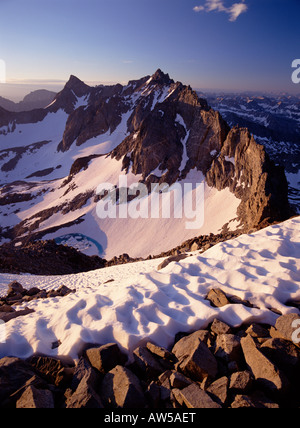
228, 347
14, 375
241, 381
195, 398
147, 362
33, 398
106, 357
218, 390
15, 288
264, 371
122, 389
85, 397
217, 298
284, 354
195, 360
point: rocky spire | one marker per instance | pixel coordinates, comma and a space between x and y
77, 86
162, 78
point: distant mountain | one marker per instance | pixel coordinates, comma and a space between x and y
35, 100
151, 131
274, 121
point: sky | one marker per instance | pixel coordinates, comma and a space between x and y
230, 45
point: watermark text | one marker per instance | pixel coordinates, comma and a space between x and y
296, 73
137, 201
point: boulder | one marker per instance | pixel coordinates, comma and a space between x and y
264, 371
15, 288
160, 351
179, 381
228, 347
195, 247
195, 398
171, 259
6, 309
7, 316
153, 395
85, 397
64, 290
195, 360
106, 357
33, 398
33, 291
284, 354
122, 389
241, 381
148, 363
257, 401
181, 347
218, 390
219, 327
14, 375
50, 367
165, 390
217, 298
257, 330
84, 369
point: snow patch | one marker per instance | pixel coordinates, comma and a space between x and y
185, 158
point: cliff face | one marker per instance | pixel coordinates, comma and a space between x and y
244, 167
177, 135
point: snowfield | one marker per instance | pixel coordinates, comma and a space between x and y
142, 303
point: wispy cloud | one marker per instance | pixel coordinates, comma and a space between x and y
234, 11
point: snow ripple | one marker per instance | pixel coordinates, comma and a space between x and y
143, 303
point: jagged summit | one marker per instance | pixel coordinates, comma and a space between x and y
77, 85
67, 98
160, 77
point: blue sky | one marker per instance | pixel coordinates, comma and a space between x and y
209, 44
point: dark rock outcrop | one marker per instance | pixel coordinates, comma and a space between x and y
245, 168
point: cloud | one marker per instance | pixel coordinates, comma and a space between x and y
199, 8
236, 10
233, 11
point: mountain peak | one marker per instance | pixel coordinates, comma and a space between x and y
77, 85
160, 77
73, 80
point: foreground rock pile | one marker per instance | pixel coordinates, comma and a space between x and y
220, 367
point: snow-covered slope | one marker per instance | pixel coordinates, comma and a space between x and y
143, 303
